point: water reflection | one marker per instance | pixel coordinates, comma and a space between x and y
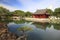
50, 33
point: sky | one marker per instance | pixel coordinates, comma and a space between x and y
29, 5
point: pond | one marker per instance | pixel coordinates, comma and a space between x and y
49, 33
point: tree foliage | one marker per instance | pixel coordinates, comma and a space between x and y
50, 11
24, 29
28, 14
3, 10
57, 12
6, 14
19, 12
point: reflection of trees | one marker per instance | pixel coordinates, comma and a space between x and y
56, 26
24, 29
39, 25
42, 25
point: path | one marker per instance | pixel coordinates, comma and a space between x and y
42, 20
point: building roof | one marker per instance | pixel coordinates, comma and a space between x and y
42, 11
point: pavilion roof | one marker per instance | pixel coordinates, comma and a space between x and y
42, 11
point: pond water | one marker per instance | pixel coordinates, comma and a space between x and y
50, 33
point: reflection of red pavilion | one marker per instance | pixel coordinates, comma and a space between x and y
41, 14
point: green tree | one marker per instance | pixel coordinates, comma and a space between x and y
50, 11
3, 10
28, 14
19, 12
6, 14
24, 29
57, 12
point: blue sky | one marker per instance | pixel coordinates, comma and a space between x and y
29, 5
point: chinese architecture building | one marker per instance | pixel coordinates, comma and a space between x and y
41, 14
11, 17
15, 17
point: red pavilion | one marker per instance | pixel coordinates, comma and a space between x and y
41, 14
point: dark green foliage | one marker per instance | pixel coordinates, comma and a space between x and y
19, 12
3, 10
40, 25
57, 26
28, 14
57, 12
8, 14
50, 11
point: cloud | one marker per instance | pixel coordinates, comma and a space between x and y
10, 8
42, 4
30, 5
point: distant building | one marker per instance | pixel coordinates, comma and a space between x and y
15, 17
12, 17
3, 17
41, 14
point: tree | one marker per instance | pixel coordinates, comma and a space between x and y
3, 10
19, 12
50, 11
24, 29
57, 12
28, 14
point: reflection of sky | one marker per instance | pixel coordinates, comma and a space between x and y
30, 5
39, 34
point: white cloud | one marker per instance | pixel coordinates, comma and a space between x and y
11, 8
32, 6
8, 7
29, 5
